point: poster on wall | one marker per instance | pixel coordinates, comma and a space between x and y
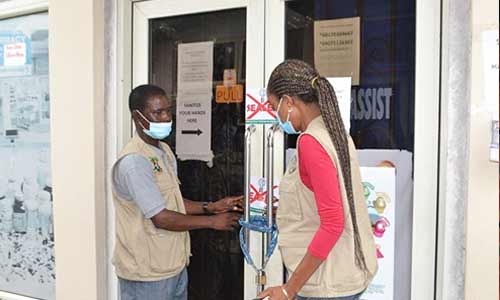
490, 69
194, 101
15, 54
26, 223
379, 184
490, 47
336, 48
402, 162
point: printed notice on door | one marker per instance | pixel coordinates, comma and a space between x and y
258, 107
336, 48
342, 88
194, 98
195, 66
193, 130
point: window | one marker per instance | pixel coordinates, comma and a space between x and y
26, 224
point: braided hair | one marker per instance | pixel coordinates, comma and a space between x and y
296, 78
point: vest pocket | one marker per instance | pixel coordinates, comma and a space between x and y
125, 260
167, 252
340, 267
292, 256
289, 205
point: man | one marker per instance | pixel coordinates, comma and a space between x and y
152, 219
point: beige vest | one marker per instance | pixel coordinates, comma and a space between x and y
142, 251
298, 221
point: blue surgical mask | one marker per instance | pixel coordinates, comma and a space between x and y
157, 130
286, 126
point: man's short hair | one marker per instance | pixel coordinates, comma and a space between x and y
141, 94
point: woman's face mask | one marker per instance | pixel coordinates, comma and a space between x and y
287, 126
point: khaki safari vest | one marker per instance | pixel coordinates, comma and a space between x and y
142, 251
298, 220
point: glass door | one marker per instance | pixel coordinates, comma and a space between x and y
389, 51
208, 56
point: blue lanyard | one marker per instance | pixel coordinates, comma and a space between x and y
259, 224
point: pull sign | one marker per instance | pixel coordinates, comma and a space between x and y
232, 94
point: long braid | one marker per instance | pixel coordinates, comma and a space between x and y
297, 78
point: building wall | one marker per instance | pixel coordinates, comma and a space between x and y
78, 156
481, 267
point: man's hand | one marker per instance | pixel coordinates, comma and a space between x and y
225, 221
227, 204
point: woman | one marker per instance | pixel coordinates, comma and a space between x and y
326, 240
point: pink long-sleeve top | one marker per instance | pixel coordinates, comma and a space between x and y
318, 173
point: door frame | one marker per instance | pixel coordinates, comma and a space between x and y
427, 107
426, 149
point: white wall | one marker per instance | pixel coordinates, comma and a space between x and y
78, 146
481, 269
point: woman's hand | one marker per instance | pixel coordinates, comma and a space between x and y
276, 293
302, 273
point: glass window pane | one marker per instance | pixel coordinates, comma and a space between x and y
382, 105
383, 108
26, 227
216, 267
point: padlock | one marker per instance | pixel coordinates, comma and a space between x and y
261, 278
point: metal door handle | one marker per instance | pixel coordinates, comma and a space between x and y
269, 168
248, 151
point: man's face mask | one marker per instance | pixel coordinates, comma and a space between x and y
157, 130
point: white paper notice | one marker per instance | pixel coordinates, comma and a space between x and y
342, 87
336, 48
258, 108
258, 195
490, 69
14, 54
194, 101
230, 77
195, 66
193, 130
